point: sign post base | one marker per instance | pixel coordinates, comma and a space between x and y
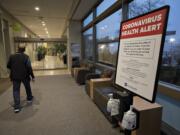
149, 117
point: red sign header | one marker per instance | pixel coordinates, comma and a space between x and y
150, 24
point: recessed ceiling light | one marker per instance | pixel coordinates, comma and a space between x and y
43, 24
45, 29
37, 8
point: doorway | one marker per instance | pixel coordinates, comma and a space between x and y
46, 55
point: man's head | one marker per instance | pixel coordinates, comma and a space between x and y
21, 48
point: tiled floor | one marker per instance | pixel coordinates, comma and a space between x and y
51, 72
49, 62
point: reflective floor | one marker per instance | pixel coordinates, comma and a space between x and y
51, 72
49, 62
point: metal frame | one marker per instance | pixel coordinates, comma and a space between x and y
38, 40
96, 19
116, 6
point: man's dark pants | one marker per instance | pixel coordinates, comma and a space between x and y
16, 91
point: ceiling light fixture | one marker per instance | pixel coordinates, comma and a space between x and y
43, 24
37, 8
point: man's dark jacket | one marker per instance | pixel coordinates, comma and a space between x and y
20, 67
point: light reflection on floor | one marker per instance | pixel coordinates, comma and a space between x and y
49, 62
51, 72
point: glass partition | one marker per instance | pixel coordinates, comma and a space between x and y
105, 4
88, 44
170, 68
106, 37
105, 30
107, 53
88, 20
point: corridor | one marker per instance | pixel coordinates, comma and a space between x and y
90, 65
58, 109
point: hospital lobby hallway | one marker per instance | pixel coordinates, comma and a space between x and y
60, 107
49, 62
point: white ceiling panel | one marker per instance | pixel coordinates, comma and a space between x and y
53, 12
83, 8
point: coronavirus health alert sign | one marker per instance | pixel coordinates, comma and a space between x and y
140, 50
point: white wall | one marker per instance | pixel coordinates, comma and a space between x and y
11, 20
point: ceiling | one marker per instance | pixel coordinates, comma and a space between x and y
55, 14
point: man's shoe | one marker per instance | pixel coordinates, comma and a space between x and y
115, 125
17, 110
31, 100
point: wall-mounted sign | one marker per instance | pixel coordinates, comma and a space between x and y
140, 51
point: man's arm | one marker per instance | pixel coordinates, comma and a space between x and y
9, 63
30, 68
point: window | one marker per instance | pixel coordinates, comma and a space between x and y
138, 7
107, 53
105, 30
88, 43
170, 68
105, 4
88, 20
107, 38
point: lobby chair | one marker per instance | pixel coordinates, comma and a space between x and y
76, 66
101, 98
80, 74
96, 80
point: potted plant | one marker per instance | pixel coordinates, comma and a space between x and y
61, 50
41, 51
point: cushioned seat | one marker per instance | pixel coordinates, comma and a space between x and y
80, 75
88, 78
94, 83
101, 98
96, 80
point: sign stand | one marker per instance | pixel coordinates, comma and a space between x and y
140, 51
149, 117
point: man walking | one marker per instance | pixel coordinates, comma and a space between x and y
20, 71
